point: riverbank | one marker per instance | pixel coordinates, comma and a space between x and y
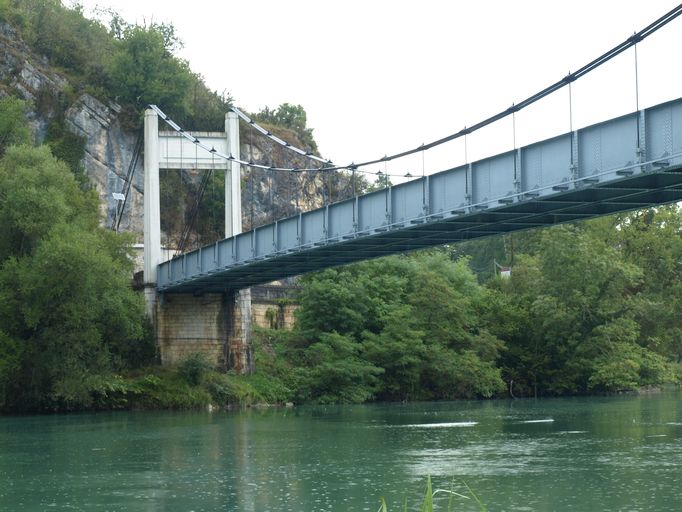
186, 387
195, 385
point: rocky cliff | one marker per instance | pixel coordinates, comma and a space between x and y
109, 145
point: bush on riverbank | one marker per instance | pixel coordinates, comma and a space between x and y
175, 388
589, 308
399, 328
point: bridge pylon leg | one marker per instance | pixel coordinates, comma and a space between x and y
239, 348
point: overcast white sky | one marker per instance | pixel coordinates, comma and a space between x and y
380, 76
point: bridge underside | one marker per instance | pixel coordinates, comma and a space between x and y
624, 164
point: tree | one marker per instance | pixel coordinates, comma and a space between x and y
653, 238
67, 311
397, 328
400, 351
64, 35
335, 372
289, 116
37, 193
577, 305
143, 70
13, 126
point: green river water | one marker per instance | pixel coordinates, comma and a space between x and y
584, 454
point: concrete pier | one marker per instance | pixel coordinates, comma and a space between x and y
217, 325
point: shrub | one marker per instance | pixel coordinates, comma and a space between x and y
194, 367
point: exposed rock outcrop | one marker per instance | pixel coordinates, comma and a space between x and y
27, 76
108, 156
109, 146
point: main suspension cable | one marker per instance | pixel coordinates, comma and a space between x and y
276, 139
197, 142
571, 77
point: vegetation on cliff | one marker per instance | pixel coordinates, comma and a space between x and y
134, 65
13, 129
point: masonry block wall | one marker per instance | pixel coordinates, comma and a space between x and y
273, 305
186, 324
239, 325
219, 325
273, 315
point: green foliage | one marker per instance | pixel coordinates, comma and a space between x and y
13, 125
336, 373
65, 297
194, 367
289, 116
166, 389
144, 71
111, 391
67, 38
211, 220
580, 307
179, 194
38, 192
621, 364
67, 147
429, 500
399, 328
590, 307
399, 349
228, 389
112, 59
172, 204
5, 10
140, 352
10, 365
427, 504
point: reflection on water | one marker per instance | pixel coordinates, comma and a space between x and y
442, 425
621, 453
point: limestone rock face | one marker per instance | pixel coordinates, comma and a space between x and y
110, 145
108, 158
28, 76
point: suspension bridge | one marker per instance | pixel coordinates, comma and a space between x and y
630, 162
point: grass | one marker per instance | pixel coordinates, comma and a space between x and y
430, 494
194, 384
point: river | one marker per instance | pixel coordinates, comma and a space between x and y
583, 454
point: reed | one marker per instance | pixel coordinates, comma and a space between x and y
430, 494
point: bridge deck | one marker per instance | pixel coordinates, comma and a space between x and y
594, 171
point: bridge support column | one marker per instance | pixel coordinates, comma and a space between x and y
216, 325
233, 188
239, 349
152, 210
